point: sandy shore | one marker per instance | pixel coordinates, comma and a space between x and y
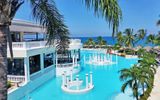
155, 94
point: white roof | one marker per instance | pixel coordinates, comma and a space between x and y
26, 26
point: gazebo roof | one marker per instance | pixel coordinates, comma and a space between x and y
26, 27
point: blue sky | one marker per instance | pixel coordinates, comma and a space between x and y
82, 22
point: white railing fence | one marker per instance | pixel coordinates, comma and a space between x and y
28, 45
15, 78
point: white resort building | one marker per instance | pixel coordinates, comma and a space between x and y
34, 62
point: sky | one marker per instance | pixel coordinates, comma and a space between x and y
82, 22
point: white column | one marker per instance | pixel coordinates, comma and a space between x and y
91, 83
56, 59
63, 79
26, 70
86, 81
42, 62
71, 75
73, 59
76, 61
77, 82
67, 82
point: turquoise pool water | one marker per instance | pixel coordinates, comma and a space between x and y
105, 79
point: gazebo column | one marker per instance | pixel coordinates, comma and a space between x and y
67, 82
73, 59
77, 79
26, 69
86, 81
91, 83
63, 79
56, 59
71, 75
42, 62
21, 36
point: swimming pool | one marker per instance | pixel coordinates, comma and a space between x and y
106, 82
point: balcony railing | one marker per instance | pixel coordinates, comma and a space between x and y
39, 44
28, 45
15, 78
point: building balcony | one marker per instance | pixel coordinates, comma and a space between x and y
28, 45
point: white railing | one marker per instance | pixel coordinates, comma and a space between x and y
38, 44
15, 78
65, 65
28, 45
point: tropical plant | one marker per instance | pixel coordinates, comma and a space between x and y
101, 42
90, 42
157, 39
104, 42
107, 8
45, 12
151, 39
141, 34
120, 38
134, 79
141, 52
129, 38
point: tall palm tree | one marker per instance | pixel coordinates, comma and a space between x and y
91, 42
141, 34
157, 39
99, 41
141, 52
120, 38
129, 37
151, 39
104, 42
45, 12
134, 79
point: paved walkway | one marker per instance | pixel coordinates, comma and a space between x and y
155, 94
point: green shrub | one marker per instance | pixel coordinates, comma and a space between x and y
8, 84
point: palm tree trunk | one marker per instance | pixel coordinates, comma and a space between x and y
3, 61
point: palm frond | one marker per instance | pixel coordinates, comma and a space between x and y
45, 12
109, 9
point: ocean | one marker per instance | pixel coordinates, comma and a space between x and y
110, 40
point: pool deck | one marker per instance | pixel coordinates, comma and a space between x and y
155, 94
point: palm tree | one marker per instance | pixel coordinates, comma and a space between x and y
130, 39
145, 80
120, 38
104, 42
151, 39
91, 42
157, 39
134, 79
141, 52
99, 41
142, 34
